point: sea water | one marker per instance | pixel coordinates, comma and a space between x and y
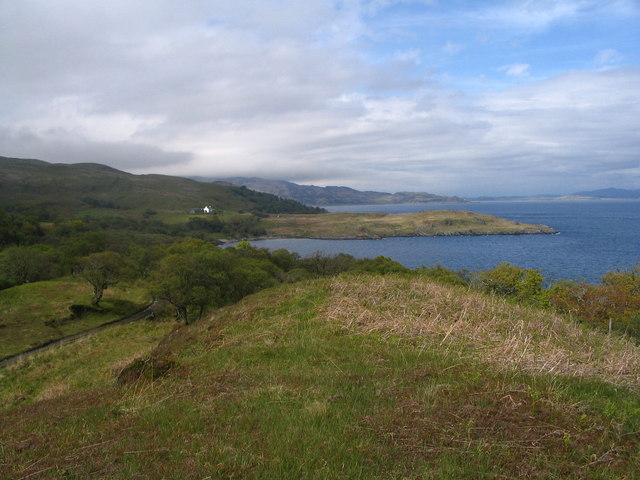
595, 236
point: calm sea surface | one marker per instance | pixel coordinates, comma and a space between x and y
595, 236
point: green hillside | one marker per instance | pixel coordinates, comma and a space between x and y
353, 377
35, 313
33, 185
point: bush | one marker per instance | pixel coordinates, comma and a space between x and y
440, 274
381, 265
512, 281
615, 301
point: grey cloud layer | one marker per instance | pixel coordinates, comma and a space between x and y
288, 90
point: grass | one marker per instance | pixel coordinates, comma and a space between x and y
340, 379
35, 313
91, 362
377, 225
483, 327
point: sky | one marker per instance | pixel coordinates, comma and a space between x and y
458, 97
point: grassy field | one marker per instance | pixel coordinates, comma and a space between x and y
89, 363
373, 377
378, 225
35, 313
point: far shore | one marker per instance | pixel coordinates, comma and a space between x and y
374, 226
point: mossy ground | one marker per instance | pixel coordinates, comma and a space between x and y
280, 386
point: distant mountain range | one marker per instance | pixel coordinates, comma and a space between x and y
603, 193
325, 196
610, 193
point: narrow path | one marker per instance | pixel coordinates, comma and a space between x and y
151, 308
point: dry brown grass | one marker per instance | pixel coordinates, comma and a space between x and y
483, 327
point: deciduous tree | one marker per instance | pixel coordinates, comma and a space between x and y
103, 270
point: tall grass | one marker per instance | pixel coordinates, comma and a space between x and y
482, 326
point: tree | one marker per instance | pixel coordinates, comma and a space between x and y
191, 278
284, 259
249, 275
103, 270
24, 264
143, 258
320, 265
512, 281
196, 275
18, 229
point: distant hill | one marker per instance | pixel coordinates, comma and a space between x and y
325, 196
619, 193
31, 185
610, 193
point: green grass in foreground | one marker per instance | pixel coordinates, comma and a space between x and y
25, 309
275, 387
91, 362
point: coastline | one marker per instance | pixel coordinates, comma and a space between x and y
460, 233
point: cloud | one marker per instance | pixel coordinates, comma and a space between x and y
307, 91
538, 15
608, 57
452, 48
576, 125
61, 146
533, 14
538, 134
516, 69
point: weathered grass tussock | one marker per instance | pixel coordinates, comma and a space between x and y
485, 327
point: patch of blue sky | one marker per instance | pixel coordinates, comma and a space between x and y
491, 45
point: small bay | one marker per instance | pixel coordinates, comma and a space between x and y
595, 236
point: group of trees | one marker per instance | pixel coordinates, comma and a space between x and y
34, 248
612, 304
191, 274
237, 226
18, 229
194, 274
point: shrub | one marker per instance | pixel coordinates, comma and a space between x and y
512, 281
441, 274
